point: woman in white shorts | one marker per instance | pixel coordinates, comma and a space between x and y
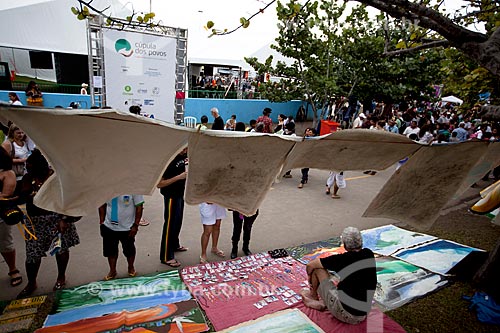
211, 218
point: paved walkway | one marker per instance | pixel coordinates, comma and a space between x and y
288, 216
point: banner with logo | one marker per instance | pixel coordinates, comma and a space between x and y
140, 70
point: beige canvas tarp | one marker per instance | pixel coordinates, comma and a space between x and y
98, 154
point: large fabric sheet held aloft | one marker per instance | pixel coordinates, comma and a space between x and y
98, 154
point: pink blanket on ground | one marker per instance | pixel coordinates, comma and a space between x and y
235, 291
377, 322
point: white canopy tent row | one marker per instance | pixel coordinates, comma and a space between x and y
44, 25
87, 175
38, 25
452, 99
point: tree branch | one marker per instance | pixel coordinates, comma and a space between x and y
250, 18
429, 45
428, 18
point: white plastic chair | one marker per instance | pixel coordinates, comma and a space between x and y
190, 122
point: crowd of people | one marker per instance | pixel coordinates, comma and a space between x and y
432, 124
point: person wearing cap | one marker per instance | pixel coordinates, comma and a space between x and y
266, 120
83, 91
358, 122
348, 295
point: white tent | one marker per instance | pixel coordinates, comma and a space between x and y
452, 99
44, 25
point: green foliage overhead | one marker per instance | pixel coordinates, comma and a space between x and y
337, 53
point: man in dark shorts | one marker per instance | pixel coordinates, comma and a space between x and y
348, 293
119, 221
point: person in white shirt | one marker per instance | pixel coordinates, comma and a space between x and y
119, 222
358, 122
83, 91
14, 99
413, 129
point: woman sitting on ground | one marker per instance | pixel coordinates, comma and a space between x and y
47, 225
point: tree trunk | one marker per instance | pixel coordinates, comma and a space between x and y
487, 54
483, 49
488, 276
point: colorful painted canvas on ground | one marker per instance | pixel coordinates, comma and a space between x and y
388, 239
106, 297
286, 321
438, 256
376, 322
183, 316
307, 252
108, 291
399, 282
235, 291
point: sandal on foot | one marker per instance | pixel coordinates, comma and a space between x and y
203, 260
27, 291
143, 222
59, 285
335, 196
181, 249
15, 280
132, 274
110, 277
172, 263
219, 253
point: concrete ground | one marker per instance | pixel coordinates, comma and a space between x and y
288, 216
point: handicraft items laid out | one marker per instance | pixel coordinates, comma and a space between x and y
234, 291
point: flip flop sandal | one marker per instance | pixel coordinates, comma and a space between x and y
110, 277
182, 249
172, 263
143, 222
335, 196
59, 285
133, 274
219, 253
15, 281
203, 261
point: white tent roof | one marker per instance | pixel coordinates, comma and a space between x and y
452, 99
48, 25
221, 62
264, 52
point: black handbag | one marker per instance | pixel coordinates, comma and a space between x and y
10, 213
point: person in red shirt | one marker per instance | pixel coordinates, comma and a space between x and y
268, 122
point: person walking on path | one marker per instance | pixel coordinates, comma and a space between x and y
172, 185
309, 132
119, 222
337, 180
